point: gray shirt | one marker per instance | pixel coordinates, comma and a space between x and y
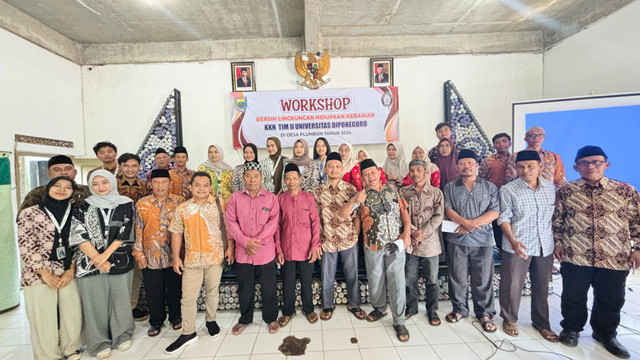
483, 197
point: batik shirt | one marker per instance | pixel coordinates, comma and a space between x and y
135, 191
220, 183
596, 224
180, 182
426, 210
153, 239
202, 233
498, 170
309, 177
380, 217
337, 233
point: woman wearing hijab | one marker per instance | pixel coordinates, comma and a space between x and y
348, 157
320, 150
434, 172
249, 153
273, 166
220, 172
395, 166
309, 169
446, 159
47, 274
102, 230
354, 177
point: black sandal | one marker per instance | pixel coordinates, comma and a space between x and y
176, 325
355, 311
400, 331
434, 319
154, 331
453, 317
327, 313
485, 326
375, 315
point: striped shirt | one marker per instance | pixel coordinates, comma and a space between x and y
529, 212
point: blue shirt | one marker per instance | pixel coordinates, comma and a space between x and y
529, 212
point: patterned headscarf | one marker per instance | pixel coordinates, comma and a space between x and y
303, 160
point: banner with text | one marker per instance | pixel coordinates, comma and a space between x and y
357, 116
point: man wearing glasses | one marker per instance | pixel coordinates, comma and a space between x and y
551, 167
594, 223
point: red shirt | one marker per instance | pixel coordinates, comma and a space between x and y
254, 217
299, 229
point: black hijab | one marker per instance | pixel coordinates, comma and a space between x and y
254, 148
58, 208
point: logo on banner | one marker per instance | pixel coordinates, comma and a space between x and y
241, 104
387, 98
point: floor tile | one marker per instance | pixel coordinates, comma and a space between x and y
416, 352
454, 351
353, 354
139, 349
415, 337
385, 353
237, 345
315, 338
339, 339
268, 343
442, 334
373, 337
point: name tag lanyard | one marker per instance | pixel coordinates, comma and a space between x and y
60, 251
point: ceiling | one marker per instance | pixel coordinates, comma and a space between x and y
125, 31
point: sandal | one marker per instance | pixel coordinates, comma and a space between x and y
154, 331
327, 313
357, 312
548, 335
176, 325
312, 317
401, 330
238, 329
375, 315
510, 329
454, 317
409, 314
434, 319
284, 320
486, 323
274, 327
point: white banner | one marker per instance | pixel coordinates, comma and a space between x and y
358, 116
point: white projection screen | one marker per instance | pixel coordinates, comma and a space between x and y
609, 121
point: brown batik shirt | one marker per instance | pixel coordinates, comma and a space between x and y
337, 233
135, 191
596, 224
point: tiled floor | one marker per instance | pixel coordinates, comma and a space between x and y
331, 340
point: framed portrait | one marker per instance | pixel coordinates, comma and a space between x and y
242, 76
381, 72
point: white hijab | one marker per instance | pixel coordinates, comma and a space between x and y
398, 166
219, 165
351, 160
112, 199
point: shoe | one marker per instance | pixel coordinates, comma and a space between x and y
104, 354
569, 338
75, 356
613, 346
140, 315
125, 345
181, 343
213, 328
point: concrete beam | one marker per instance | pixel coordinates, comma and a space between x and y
312, 29
30, 29
409, 45
98, 54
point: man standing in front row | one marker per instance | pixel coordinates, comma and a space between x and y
595, 221
526, 208
472, 203
253, 216
386, 226
198, 222
339, 237
152, 250
425, 204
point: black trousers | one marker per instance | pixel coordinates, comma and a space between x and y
288, 272
246, 274
608, 298
163, 286
497, 234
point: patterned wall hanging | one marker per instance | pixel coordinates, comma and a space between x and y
166, 133
467, 132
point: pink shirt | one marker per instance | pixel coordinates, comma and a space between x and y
299, 229
254, 217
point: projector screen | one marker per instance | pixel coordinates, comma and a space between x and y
611, 122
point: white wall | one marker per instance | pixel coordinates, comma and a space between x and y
601, 59
40, 95
121, 101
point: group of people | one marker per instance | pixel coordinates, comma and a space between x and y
87, 249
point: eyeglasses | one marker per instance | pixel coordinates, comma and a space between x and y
533, 136
585, 163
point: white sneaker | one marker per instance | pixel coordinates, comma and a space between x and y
124, 346
104, 354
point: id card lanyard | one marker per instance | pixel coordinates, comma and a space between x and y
107, 220
61, 253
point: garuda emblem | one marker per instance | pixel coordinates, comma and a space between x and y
313, 69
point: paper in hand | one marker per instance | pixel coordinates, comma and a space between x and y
449, 226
